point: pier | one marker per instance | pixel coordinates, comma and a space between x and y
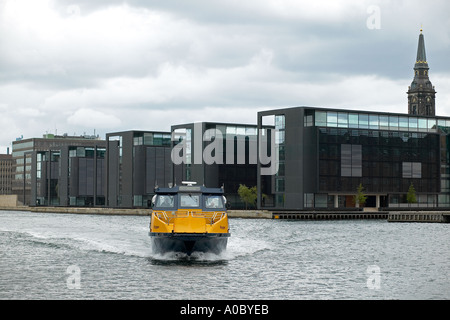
328, 215
419, 216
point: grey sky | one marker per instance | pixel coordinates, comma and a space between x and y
73, 67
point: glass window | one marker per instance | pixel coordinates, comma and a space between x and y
321, 119
342, 120
279, 186
308, 120
190, 200
373, 121
332, 119
148, 139
364, 121
321, 201
351, 160
422, 124
138, 140
279, 122
250, 131
403, 123
240, 131
165, 201
353, 120
72, 152
231, 130
413, 124
90, 152
412, 170
431, 125
81, 152
309, 200
279, 137
281, 153
393, 122
214, 202
384, 122
281, 169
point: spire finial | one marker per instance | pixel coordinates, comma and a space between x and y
421, 28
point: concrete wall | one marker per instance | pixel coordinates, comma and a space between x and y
9, 201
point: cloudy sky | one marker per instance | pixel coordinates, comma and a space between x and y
85, 66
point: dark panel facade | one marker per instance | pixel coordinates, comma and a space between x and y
325, 154
70, 176
217, 155
137, 161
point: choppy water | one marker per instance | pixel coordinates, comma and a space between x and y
62, 256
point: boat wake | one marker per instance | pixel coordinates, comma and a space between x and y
237, 248
196, 258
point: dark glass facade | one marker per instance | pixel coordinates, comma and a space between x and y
230, 164
381, 164
70, 176
44, 171
137, 161
325, 154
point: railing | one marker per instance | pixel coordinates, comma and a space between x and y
210, 216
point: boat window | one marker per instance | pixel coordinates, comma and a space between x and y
213, 202
165, 201
190, 200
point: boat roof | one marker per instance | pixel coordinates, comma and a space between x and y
188, 189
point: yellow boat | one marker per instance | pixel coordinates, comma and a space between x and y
189, 218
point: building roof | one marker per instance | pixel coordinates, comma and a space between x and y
5, 156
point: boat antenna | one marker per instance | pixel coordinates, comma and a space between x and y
189, 183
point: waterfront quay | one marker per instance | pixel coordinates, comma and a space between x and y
367, 214
329, 215
390, 216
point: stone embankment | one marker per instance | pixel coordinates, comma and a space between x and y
391, 216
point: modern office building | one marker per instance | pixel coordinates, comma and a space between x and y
324, 154
59, 170
6, 165
69, 176
216, 155
137, 161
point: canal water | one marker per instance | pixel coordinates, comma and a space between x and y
68, 256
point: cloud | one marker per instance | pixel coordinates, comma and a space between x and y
93, 119
117, 65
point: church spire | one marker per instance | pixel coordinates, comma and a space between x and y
421, 55
421, 93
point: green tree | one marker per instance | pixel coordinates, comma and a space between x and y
247, 195
360, 197
411, 196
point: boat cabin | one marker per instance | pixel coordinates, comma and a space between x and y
189, 197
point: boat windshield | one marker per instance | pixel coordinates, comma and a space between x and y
190, 200
214, 202
165, 201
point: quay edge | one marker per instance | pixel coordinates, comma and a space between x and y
245, 214
390, 216
419, 216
